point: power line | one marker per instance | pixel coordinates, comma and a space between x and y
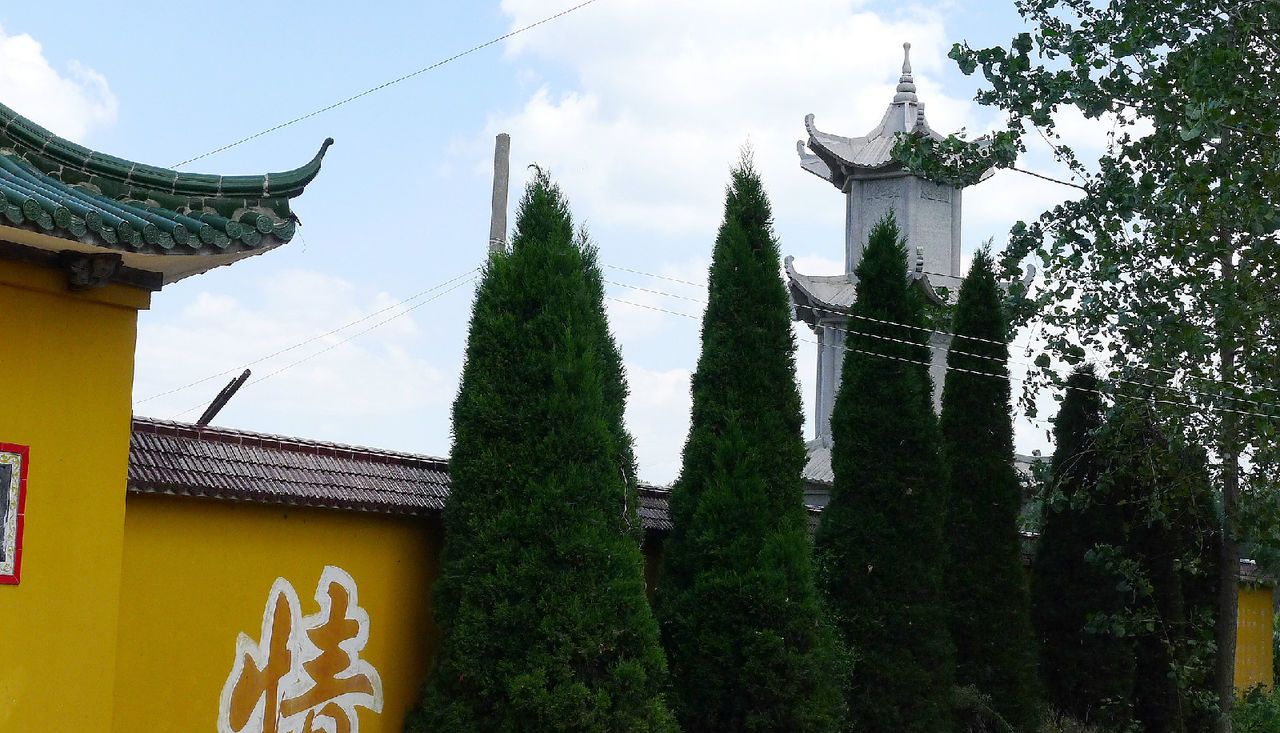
336, 344
384, 85
845, 314
300, 344
948, 367
1003, 360
700, 286
842, 314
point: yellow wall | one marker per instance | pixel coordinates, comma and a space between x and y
1253, 638
197, 573
66, 373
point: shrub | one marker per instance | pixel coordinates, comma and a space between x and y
1257, 712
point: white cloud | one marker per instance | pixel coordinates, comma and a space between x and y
666, 92
658, 419
70, 104
376, 378
661, 97
638, 108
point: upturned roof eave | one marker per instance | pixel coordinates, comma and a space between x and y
29, 138
809, 306
836, 168
58, 196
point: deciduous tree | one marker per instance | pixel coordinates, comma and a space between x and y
1168, 261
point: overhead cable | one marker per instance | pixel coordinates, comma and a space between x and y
386, 84
336, 344
846, 314
312, 339
948, 367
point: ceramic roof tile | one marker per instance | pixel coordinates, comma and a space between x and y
185, 460
55, 187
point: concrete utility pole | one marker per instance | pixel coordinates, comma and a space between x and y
501, 177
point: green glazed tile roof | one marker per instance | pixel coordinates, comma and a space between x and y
56, 187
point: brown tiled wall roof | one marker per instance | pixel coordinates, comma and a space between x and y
185, 460
219, 463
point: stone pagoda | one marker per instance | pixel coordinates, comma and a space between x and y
863, 169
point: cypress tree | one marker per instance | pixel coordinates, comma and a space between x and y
1171, 535
541, 600
1135, 462
1197, 527
1087, 672
880, 542
987, 587
749, 646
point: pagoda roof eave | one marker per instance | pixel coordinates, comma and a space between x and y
927, 286
869, 156
819, 297
831, 297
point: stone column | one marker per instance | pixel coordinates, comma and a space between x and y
939, 344
831, 360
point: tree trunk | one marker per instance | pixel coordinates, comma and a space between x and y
1229, 560
1228, 593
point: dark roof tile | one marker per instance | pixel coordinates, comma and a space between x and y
185, 460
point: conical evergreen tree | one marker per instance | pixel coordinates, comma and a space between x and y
986, 584
541, 600
1087, 672
1136, 461
1171, 529
1197, 527
880, 544
750, 648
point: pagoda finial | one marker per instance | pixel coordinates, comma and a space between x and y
906, 83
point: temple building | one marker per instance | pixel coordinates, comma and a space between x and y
168, 577
929, 215
131, 604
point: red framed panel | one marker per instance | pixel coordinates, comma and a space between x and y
14, 459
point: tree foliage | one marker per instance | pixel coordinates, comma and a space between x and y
1167, 564
1087, 670
541, 599
749, 646
986, 585
1168, 261
880, 544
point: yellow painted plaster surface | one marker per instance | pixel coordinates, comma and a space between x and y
197, 573
1253, 638
66, 373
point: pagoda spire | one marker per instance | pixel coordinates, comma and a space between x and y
906, 83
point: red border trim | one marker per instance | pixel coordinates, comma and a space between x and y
25, 452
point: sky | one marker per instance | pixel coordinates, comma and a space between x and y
637, 108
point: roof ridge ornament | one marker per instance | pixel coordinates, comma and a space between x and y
906, 82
